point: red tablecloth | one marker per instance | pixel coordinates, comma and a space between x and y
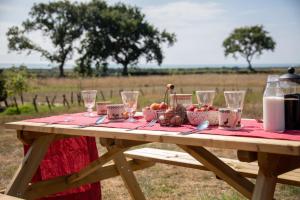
65, 157
251, 128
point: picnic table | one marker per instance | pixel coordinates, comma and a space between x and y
274, 157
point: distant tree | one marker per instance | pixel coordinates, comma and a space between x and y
95, 48
133, 37
58, 21
3, 91
121, 33
248, 42
16, 82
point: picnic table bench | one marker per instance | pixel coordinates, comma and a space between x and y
277, 160
6, 197
246, 165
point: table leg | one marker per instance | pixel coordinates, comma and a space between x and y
264, 187
128, 177
221, 169
29, 165
123, 166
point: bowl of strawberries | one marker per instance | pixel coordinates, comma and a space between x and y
196, 115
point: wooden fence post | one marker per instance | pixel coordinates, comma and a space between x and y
65, 101
16, 104
72, 100
53, 101
48, 102
22, 98
34, 103
5, 103
79, 99
102, 95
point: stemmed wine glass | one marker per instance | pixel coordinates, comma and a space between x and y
130, 99
205, 97
89, 99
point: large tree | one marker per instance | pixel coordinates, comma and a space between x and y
95, 48
121, 33
248, 42
59, 22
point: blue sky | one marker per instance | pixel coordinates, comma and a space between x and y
200, 26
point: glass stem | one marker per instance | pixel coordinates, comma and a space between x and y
130, 115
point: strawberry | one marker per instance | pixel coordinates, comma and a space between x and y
191, 108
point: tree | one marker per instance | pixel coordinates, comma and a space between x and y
248, 42
3, 91
95, 48
133, 37
16, 82
121, 33
58, 21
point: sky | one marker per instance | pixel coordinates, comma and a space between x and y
200, 27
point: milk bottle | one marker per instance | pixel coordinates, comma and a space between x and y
273, 106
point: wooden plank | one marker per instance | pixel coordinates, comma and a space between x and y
27, 137
247, 156
264, 187
267, 176
226, 173
128, 177
270, 166
6, 197
52, 186
182, 159
95, 165
207, 140
29, 165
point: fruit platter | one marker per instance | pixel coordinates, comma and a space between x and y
172, 111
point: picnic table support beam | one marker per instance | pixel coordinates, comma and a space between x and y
123, 166
59, 184
270, 167
246, 156
95, 165
222, 170
29, 165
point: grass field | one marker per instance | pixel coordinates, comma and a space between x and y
160, 181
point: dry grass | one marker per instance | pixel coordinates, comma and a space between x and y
160, 181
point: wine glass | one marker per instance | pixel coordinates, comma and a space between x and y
205, 97
130, 99
235, 99
89, 99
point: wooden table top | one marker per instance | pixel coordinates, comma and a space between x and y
206, 140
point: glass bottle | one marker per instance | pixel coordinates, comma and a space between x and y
273, 106
290, 83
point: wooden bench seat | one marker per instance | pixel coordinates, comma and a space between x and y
6, 197
249, 170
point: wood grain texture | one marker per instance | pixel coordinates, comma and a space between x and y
29, 165
207, 140
44, 188
127, 176
182, 159
94, 166
226, 173
6, 197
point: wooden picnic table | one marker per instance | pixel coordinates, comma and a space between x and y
274, 157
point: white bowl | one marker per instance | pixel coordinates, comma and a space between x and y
213, 117
149, 114
196, 118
